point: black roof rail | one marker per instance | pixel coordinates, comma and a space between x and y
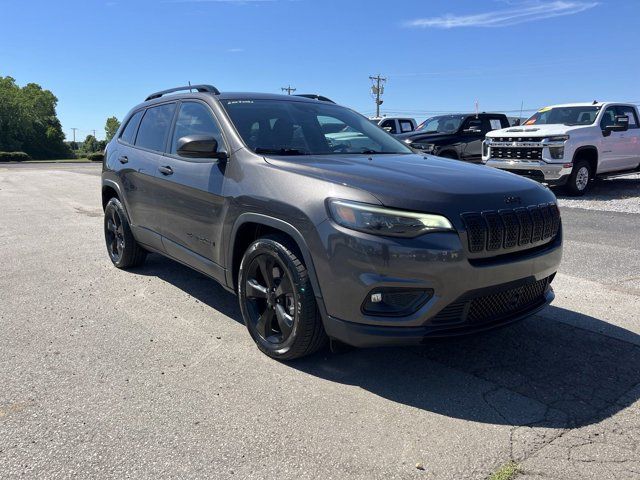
199, 88
315, 96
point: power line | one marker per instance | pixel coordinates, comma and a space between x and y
377, 90
289, 89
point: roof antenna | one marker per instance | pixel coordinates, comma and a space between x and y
595, 102
190, 90
477, 105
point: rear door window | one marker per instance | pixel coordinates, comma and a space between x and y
155, 126
629, 112
129, 132
406, 126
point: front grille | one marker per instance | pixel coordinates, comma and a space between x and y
506, 229
481, 308
518, 139
510, 153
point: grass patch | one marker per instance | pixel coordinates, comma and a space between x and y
508, 471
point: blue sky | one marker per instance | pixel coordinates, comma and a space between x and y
102, 57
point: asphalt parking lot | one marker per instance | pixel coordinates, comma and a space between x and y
151, 374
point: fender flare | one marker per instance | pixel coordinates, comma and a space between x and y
107, 182
284, 227
587, 148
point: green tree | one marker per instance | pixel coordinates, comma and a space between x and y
28, 120
90, 144
111, 127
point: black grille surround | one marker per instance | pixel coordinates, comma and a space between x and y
503, 230
496, 305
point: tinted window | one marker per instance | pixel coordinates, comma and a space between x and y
441, 124
631, 113
195, 119
389, 126
154, 127
608, 117
281, 127
129, 132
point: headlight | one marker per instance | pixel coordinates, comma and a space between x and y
427, 147
556, 139
385, 221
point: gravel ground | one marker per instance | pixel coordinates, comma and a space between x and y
613, 195
150, 373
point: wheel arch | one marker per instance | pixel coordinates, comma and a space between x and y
588, 153
449, 153
250, 226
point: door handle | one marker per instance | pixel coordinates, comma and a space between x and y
123, 159
166, 170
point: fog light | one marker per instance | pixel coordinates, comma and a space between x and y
395, 302
556, 152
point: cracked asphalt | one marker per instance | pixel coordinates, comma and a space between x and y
151, 374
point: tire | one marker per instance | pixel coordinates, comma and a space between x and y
123, 249
277, 301
580, 178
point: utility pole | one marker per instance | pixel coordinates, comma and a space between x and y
289, 89
94, 133
74, 136
377, 89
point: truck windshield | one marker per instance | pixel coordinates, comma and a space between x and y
441, 124
282, 127
564, 115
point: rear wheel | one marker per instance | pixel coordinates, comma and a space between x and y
123, 249
581, 175
277, 300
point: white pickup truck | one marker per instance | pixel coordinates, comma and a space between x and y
395, 125
569, 144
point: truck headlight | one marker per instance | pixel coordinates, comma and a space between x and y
385, 221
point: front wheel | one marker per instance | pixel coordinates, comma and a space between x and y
579, 179
277, 300
123, 249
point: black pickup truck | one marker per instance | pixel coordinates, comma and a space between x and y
457, 136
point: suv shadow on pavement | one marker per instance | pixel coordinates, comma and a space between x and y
604, 190
538, 372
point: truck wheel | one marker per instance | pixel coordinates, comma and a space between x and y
277, 300
580, 177
123, 249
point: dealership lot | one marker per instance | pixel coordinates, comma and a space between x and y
150, 373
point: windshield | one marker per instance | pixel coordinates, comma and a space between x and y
281, 127
564, 115
441, 124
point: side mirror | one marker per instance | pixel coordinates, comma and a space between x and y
620, 124
387, 129
199, 146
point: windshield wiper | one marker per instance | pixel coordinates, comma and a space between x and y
280, 151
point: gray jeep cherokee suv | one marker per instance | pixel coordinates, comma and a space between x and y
322, 235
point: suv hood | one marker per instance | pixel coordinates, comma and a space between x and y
422, 183
535, 130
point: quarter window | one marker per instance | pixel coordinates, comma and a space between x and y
129, 132
154, 127
195, 119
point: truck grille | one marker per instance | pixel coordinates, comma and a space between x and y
505, 229
507, 153
477, 308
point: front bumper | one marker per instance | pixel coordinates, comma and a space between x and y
353, 264
551, 173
